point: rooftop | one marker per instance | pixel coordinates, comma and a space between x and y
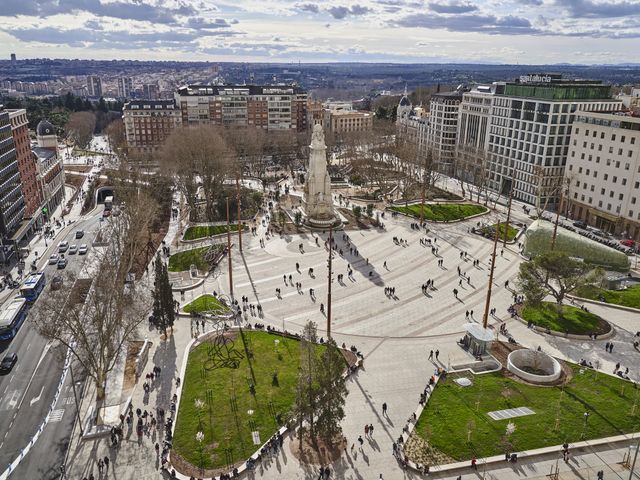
206, 90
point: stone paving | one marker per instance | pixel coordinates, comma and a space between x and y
394, 334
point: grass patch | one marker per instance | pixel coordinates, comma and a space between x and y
205, 303
452, 410
182, 261
193, 233
489, 231
442, 212
630, 297
574, 320
226, 423
87, 153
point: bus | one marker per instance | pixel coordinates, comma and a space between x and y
12, 316
32, 286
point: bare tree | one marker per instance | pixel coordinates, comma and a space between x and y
197, 157
101, 313
80, 128
116, 137
547, 188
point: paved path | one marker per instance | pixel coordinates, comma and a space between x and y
395, 336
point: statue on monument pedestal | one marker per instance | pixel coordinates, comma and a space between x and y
317, 195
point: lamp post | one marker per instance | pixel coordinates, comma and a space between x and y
329, 283
485, 317
229, 252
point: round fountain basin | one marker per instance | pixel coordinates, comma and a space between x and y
534, 366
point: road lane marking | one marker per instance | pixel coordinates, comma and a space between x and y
35, 399
56, 415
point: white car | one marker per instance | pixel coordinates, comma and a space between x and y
63, 247
73, 249
83, 249
53, 259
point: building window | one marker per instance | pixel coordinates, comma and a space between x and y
609, 206
620, 197
633, 200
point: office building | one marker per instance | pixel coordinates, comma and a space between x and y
125, 87
442, 126
94, 86
278, 107
523, 127
347, 121
148, 123
12, 205
27, 166
603, 172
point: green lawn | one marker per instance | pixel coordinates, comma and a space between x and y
226, 423
86, 153
182, 261
490, 231
574, 320
452, 410
627, 298
205, 303
204, 231
442, 212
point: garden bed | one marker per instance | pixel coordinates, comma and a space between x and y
454, 411
205, 303
204, 231
489, 231
182, 261
630, 297
442, 212
574, 321
233, 412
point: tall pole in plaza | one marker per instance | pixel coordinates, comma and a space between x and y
239, 222
506, 226
329, 283
229, 251
487, 304
559, 209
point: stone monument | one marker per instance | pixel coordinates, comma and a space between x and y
317, 200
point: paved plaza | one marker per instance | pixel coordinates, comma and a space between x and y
395, 334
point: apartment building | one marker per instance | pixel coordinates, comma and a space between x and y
603, 172
94, 86
125, 87
347, 121
148, 123
278, 107
50, 168
442, 126
524, 128
27, 167
12, 205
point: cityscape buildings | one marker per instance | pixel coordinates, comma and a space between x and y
27, 166
94, 86
50, 167
125, 87
150, 91
603, 172
148, 123
12, 205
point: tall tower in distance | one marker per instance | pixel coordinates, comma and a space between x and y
94, 86
13, 60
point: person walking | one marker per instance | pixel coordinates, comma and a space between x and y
360, 441
437, 354
384, 409
106, 464
366, 430
431, 355
371, 430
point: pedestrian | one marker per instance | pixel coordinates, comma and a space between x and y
100, 466
106, 464
431, 355
371, 428
384, 408
360, 440
437, 354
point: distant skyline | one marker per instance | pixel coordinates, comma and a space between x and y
403, 31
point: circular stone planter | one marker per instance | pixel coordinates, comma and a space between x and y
525, 362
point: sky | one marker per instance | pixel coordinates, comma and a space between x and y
403, 31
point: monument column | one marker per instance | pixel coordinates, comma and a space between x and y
317, 200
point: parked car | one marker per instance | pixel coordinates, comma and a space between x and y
8, 362
79, 233
628, 243
63, 247
581, 224
53, 259
62, 263
73, 249
83, 249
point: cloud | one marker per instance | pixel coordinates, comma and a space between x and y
452, 7
535, 3
340, 12
308, 7
200, 23
590, 9
489, 24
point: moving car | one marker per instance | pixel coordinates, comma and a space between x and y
8, 362
63, 247
79, 233
83, 249
73, 249
53, 259
580, 224
62, 263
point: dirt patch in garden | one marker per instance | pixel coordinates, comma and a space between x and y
420, 451
130, 365
320, 453
78, 168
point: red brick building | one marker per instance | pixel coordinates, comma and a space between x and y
27, 166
